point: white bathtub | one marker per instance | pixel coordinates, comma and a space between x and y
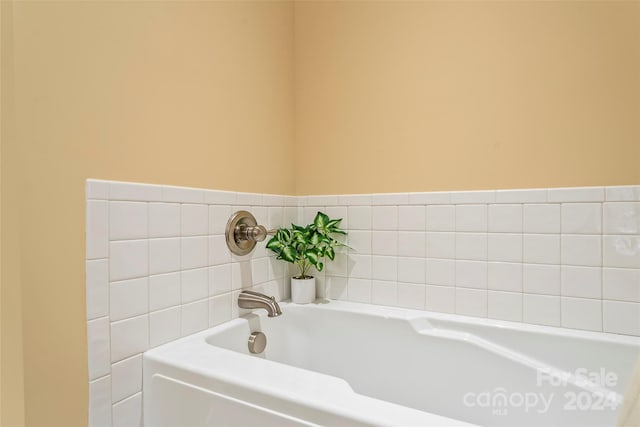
346, 364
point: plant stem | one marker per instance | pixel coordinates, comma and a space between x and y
304, 266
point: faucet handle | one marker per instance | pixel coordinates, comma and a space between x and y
256, 233
242, 233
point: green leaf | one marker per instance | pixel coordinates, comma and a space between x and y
319, 266
312, 256
321, 220
275, 246
331, 253
315, 238
333, 223
288, 254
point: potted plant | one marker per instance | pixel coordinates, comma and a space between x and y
307, 247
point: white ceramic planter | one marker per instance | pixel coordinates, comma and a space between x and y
303, 291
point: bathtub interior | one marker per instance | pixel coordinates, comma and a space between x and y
430, 362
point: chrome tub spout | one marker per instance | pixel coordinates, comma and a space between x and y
251, 300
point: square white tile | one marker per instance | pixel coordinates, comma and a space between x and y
621, 251
164, 220
441, 299
128, 259
128, 412
411, 296
505, 306
129, 337
621, 317
164, 291
219, 253
384, 218
471, 274
581, 313
195, 317
412, 218
534, 195
175, 194
98, 343
384, 292
276, 268
582, 218
219, 197
390, 199
360, 241
219, 309
623, 193
541, 309
384, 243
129, 298
360, 266
471, 218
584, 282
260, 270
411, 270
128, 220
336, 287
541, 218
441, 272
218, 217
97, 189
471, 302
541, 248
220, 278
622, 218
505, 218
164, 255
430, 198
581, 249
441, 245
194, 220
359, 217
97, 276
576, 194
384, 268
134, 191
97, 229
411, 243
339, 266
194, 284
504, 276
126, 378
441, 218
359, 290
621, 284
194, 252
541, 279
354, 199
100, 402
505, 247
471, 246
241, 275
482, 196
164, 326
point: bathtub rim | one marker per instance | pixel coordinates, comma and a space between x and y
168, 353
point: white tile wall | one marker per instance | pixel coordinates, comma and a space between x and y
561, 257
158, 267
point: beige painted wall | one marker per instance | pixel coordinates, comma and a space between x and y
11, 366
419, 96
160, 92
410, 96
